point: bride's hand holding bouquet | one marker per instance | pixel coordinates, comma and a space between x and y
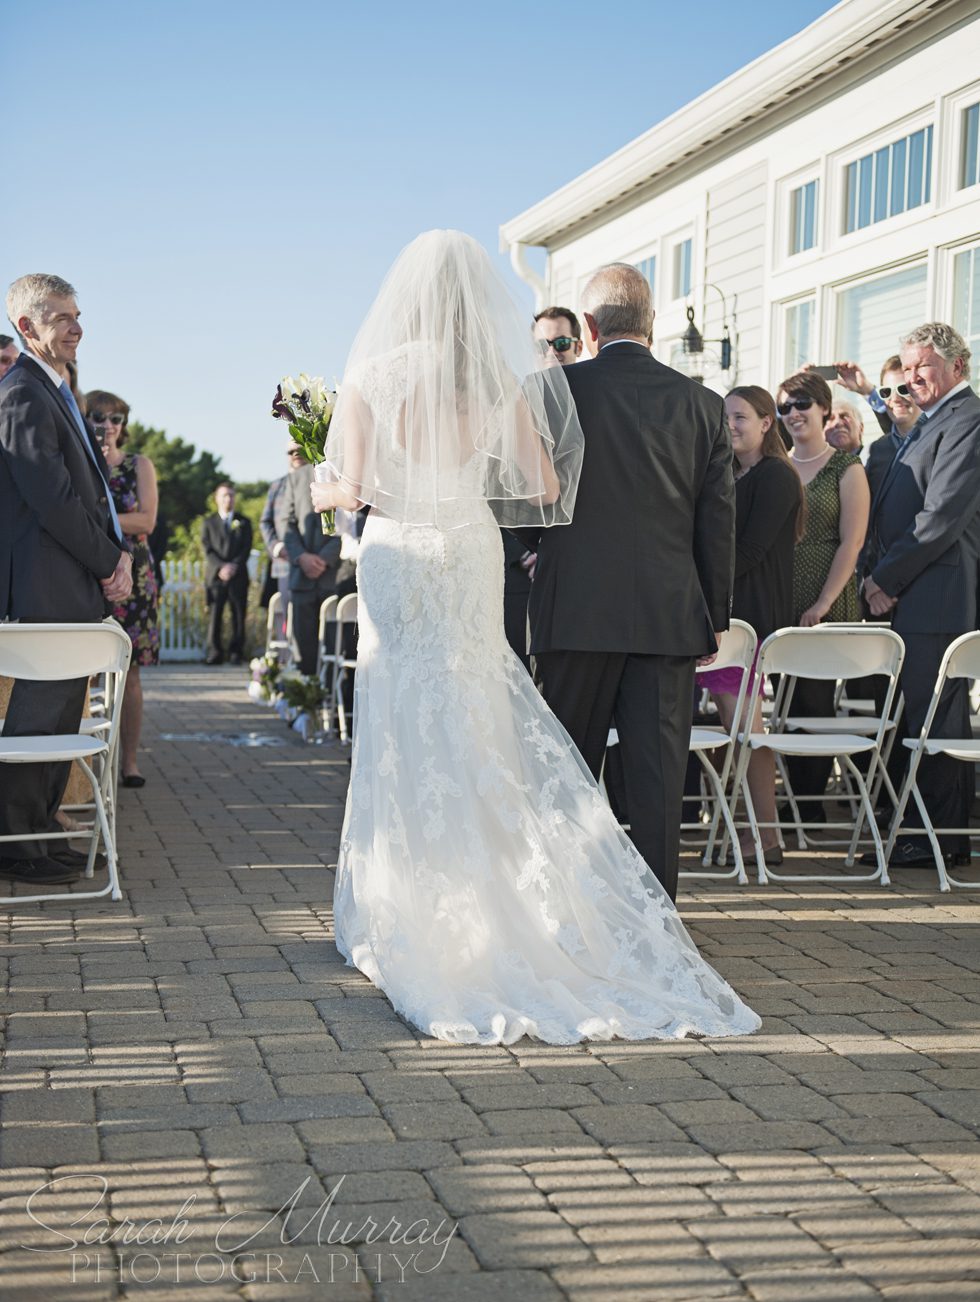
308, 405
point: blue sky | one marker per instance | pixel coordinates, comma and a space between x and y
226, 183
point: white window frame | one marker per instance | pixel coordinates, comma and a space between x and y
951, 119
945, 260
833, 291
836, 199
781, 333
671, 244
646, 252
783, 225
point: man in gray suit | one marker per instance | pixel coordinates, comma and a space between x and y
62, 556
313, 562
924, 561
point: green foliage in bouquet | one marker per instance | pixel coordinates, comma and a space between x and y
306, 694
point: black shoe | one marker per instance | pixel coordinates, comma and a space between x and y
42, 872
905, 854
75, 859
132, 780
771, 857
234, 658
214, 660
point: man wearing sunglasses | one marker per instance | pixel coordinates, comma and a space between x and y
559, 336
896, 398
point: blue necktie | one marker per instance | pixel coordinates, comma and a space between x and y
69, 398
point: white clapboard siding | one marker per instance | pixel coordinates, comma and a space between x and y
735, 258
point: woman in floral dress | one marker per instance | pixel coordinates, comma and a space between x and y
133, 483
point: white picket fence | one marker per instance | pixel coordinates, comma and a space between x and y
183, 614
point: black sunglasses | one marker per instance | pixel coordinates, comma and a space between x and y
801, 404
108, 418
560, 345
885, 391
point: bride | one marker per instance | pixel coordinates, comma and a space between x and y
483, 883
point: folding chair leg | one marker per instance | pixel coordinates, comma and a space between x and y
930, 831
872, 823
801, 841
760, 854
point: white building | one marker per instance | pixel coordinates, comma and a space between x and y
830, 190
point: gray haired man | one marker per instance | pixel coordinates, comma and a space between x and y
923, 559
62, 556
8, 354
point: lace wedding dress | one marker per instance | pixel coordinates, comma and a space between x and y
483, 883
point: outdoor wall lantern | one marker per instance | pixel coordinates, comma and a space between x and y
693, 342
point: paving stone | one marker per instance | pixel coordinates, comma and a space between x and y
265, 1143
616, 1122
826, 1284
635, 1205
421, 1155
434, 1120
485, 1188
309, 1108
520, 1150
759, 1135
150, 1144
405, 1086
528, 1239
933, 1208
648, 1281
669, 1164
495, 1286
42, 1144
64, 1105
761, 1242
540, 1120
917, 1261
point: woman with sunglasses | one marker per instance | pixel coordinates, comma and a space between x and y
133, 484
838, 503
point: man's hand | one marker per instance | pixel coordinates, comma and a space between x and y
118, 586
879, 602
312, 565
528, 561
710, 660
850, 375
227, 571
278, 551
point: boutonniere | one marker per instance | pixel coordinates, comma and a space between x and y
236, 524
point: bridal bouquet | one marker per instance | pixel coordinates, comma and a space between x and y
307, 404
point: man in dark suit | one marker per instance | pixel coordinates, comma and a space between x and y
637, 589
924, 561
517, 590
61, 555
313, 559
227, 540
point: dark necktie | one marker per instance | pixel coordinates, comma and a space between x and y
69, 398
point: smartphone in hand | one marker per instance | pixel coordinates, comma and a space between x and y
825, 372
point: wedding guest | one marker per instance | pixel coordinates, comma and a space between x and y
559, 334
845, 429
925, 564
769, 520
8, 354
850, 376
272, 526
903, 414
313, 557
133, 483
825, 558
62, 556
227, 540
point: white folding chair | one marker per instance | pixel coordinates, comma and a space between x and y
736, 651
962, 660
275, 641
825, 653
345, 616
48, 653
325, 658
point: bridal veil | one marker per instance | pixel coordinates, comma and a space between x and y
481, 421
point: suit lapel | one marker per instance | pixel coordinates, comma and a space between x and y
65, 410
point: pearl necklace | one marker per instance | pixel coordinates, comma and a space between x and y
803, 460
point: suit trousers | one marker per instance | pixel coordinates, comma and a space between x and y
235, 596
648, 699
515, 624
946, 784
33, 792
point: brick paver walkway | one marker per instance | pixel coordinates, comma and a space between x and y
182, 1064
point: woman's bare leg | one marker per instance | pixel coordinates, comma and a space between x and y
131, 722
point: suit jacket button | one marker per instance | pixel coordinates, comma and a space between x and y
103, 501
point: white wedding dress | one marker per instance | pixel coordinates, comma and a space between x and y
483, 883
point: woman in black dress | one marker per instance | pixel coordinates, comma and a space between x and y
769, 518
133, 484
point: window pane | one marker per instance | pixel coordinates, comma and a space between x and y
850, 222
873, 316
865, 177
682, 269
966, 297
927, 179
799, 327
917, 154
881, 183
969, 160
648, 270
810, 220
899, 181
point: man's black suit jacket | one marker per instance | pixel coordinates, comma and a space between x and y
56, 535
645, 567
924, 544
223, 545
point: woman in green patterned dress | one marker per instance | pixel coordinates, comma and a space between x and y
838, 502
